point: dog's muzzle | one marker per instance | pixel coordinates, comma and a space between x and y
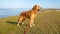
38, 9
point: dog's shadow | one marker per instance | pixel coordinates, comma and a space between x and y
13, 22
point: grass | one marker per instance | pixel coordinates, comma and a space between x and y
47, 22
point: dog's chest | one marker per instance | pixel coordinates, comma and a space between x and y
33, 15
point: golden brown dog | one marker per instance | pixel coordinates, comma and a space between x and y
30, 15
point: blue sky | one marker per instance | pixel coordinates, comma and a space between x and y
29, 3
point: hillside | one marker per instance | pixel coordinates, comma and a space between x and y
46, 22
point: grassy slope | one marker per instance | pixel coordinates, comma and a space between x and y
47, 22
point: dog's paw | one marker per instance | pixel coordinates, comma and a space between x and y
17, 24
33, 25
23, 23
30, 25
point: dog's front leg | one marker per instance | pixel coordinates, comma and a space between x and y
31, 21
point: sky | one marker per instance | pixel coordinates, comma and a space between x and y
29, 3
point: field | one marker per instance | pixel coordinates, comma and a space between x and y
46, 22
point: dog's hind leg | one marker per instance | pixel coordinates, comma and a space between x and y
20, 20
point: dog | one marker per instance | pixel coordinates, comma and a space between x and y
31, 14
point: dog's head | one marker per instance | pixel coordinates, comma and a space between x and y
37, 7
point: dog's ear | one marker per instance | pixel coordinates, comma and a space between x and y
34, 6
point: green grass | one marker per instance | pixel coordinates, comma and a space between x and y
47, 22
